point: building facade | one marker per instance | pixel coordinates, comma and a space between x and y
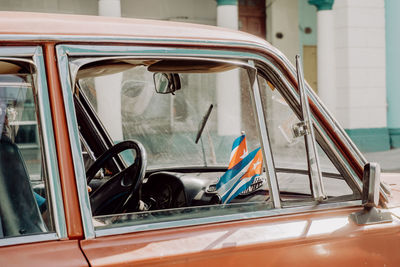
356, 41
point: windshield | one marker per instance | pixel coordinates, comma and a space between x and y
194, 126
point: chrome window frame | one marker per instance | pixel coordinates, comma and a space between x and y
294, 99
34, 56
67, 72
227, 218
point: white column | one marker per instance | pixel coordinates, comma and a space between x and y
326, 59
361, 105
227, 16
228, 84
108, 93
108, 88
110, 8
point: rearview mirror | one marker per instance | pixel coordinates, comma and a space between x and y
166, 83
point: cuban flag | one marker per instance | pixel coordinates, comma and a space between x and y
240, 161
254, 169
239, 151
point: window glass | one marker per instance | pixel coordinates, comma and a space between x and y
289, 151
188, 136
23, 188
196, 123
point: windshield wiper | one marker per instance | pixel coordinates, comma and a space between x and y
203, 123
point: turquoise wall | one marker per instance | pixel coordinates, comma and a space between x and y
227, 2
371, 139
392, 9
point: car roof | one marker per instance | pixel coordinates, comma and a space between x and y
61, 26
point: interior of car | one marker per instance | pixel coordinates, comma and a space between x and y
163, 148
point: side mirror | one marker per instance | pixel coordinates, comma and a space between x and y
166, 83
370, 198
371, 185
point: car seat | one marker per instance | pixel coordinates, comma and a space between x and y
19, 211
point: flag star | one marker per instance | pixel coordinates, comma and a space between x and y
256, 164
244, 154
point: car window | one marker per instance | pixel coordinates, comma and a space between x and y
289, 151
24, 198
204, 156
168, 141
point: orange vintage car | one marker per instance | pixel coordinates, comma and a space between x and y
131, 142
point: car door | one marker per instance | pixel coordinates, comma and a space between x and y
33, 231
182, 217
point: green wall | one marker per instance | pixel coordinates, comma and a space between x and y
370, 140
392, 9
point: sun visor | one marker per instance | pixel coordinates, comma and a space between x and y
190, 66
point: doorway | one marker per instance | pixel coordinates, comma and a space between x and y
252, 17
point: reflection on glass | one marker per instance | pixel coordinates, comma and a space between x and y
24, 207
183, 175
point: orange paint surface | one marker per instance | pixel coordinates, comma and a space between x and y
53, 253
65, 165
309, 239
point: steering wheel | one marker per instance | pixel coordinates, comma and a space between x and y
122, 190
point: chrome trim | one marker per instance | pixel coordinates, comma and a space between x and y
112, 40
263, 135
79, 167
15, 51
10, 241
135, 52
314, 168
226, 218
149, 51
49, 146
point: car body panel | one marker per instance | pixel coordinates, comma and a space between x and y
53, 253
36, 25
309, 239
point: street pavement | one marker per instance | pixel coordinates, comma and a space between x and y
389, 160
